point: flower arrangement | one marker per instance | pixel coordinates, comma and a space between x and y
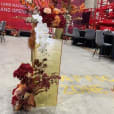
54, 12
33, 80
52, 15
58, 15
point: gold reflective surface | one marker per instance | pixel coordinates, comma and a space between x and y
54, 49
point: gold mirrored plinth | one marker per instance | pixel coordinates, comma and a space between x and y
54, 51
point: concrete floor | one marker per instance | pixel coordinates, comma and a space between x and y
74, 96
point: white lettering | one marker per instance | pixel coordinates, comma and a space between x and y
5, 9
19, 11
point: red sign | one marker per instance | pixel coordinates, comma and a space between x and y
14, 13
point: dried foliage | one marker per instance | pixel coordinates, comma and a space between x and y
33, 80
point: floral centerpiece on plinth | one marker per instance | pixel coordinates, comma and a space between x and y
33, 80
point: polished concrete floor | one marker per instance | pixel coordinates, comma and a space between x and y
85, 87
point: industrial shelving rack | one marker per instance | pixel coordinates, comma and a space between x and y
104, 15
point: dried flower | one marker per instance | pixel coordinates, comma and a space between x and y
82, 7
37, 82
20, 91
63, 10
51, 6
45, 59
73, 9
14, 100
36, 62
62, 22
47, 10
44, 65
56, 21
56, 11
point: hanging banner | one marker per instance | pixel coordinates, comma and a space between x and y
14, 14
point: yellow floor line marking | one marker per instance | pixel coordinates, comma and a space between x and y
77, 89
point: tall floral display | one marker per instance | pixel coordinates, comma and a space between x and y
34, 78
